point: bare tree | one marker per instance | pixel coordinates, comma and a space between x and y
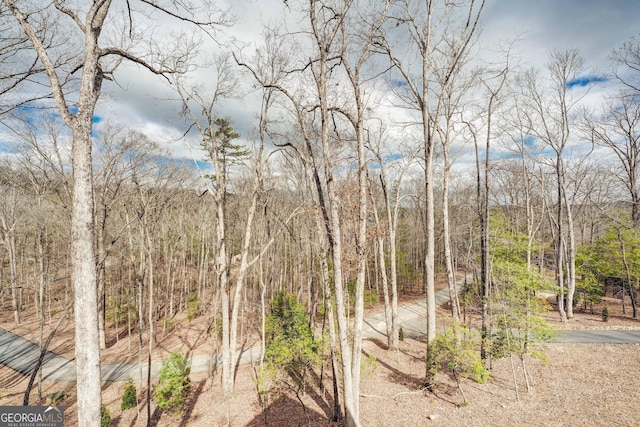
274, 69
8, 223
153, 200
439, 33
21, 73
520, 141
618, 129
391, 179
551, 124
217, 136
626, 60
451, 114
359, 31
123, 154
96, 64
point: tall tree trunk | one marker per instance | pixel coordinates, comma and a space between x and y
571, 258
333, 227
429, 261
244, 254
361, 242
150, 319
222, 266
392, 227
383, 273
451, 276
560, 237
627, 270
83, 260
102, 255
42, 276
83, 275
482, 200
327, 292
10, 243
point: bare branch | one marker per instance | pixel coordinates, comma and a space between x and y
70, 14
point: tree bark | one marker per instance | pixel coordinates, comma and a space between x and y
383, 273
446, 235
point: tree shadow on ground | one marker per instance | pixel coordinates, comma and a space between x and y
190, 403
318, 398
287, 411
377, 341
21, 355
384, 346
447, 392
397, 376
155, 415
9, 379
114, 337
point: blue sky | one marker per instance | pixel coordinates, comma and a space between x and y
587, 80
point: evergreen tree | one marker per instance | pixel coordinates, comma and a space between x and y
174, 385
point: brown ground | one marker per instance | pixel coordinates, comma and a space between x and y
582, 385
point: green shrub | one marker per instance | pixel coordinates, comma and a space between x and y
292, 350
174, 386
105, 417
129, 396
454, 351
401, 334
605, 314
193, 307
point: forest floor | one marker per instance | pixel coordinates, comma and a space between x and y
579, 385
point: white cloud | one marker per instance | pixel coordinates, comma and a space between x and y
147, 103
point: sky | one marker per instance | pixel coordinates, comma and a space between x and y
146, 103
591, 26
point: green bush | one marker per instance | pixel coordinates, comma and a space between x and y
454, 351
129, 396
605, 314
174, 386
292, 350
401, 334
193, 307
105, 417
